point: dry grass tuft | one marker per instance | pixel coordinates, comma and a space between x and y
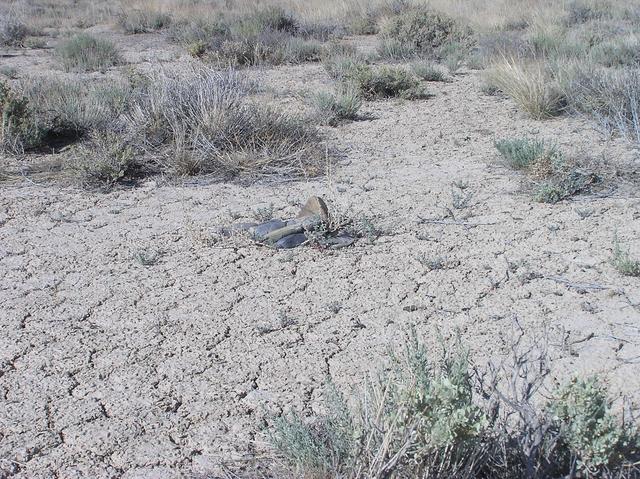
530, 86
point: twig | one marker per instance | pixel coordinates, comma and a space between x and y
570, 284
453, 222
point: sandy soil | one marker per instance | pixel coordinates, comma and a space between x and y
109, 368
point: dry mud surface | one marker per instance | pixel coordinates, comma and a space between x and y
109, 368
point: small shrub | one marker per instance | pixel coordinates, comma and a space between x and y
200, 31
546, 40
435, 419
530, 87
340, 65
143, 21
298, 50
197, 48
394, 49
270, 36
610, 97
386, 82
322, 448
86, 53
561, 178
424, 32
106, 159
272, 18
9, 72
364, 23
565, 185
321, 31
581, 412
72, 108
523, 153
19, 128
332, 108
34, 42
429, 72
198, 121
623, 262
453, 56
12, 30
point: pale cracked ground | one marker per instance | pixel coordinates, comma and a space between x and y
113, 369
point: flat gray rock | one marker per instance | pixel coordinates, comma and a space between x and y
339, 241
262, 230
291, 241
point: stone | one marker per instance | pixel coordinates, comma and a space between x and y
275, 235
315, 206
336, 242
291, 241
261, 231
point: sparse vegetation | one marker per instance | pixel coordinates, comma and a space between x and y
268, 36
555, 176
103, 161
144, 21
83, 52
12, 30
424, 419
623, 262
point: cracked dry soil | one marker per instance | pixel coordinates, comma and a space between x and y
111, 368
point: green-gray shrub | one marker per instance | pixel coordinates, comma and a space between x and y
83, 52
331, 108
582, 414
564, 185
424, 31
19, 127
106, 159
617, 53
75, 107
522, 153
323, 447
385, 82
623, 262
426, 419
429, 72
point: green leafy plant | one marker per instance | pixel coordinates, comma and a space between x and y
582, 413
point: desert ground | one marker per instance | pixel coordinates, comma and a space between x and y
141, 341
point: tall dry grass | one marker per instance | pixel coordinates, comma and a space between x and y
529, 85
